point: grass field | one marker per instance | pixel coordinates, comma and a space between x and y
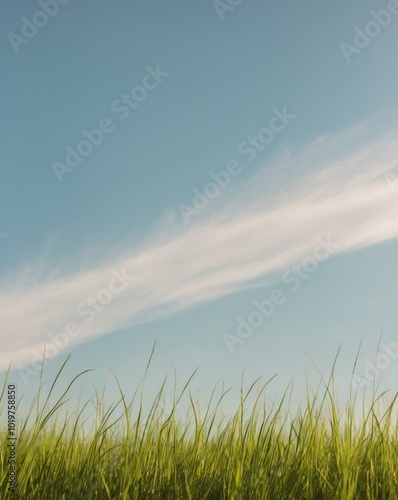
262, 451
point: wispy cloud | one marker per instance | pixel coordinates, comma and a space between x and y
265, 225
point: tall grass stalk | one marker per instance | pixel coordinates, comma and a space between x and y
261, 451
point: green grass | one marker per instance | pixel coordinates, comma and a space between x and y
261, 451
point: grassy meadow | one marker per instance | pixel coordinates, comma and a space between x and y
262, 451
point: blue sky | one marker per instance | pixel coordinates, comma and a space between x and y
321, 175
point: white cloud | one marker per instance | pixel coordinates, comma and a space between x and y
326, 190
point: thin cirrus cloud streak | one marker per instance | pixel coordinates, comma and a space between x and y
242, 238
